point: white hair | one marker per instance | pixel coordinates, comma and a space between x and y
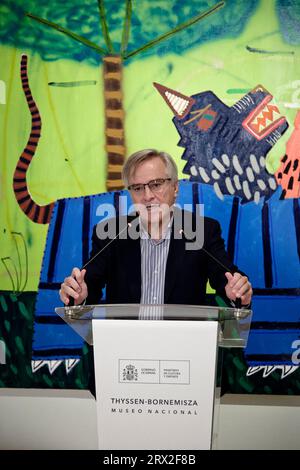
138, 157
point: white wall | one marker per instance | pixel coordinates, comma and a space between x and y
259, 422
66, 419
47, 419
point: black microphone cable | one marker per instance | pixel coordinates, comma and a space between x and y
71, 299
238, 300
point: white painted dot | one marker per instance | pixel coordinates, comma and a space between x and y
229, 185
254, 163
218, 165
237, 165
193, 170
203, 174
272, 183
261, 184
250, 174
215, 175
256, 197
218, 191
246, 190
262, 161
225, 159
237, 182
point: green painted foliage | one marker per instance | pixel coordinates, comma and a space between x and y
81, 17
3, 303
16, 329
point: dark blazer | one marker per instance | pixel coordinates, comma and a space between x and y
118, 267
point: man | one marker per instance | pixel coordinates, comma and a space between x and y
156, 267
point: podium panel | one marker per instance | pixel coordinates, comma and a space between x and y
156, 383
157, 371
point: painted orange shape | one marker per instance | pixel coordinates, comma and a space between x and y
288, 174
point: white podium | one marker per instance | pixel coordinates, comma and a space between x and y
158, 371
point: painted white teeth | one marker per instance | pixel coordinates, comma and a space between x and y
262, 117
179, 104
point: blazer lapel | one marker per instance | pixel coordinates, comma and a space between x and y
175, 261
133, 256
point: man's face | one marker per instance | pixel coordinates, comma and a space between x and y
153, 204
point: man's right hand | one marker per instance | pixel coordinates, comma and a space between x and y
74, 286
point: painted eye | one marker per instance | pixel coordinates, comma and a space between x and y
206, 120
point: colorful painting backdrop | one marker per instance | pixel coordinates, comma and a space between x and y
236, 47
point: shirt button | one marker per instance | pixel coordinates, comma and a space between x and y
155, 272
154, 298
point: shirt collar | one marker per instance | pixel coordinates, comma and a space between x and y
145, 235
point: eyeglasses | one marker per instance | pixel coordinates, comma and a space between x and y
155, 186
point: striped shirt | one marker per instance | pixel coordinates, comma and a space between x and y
154, 255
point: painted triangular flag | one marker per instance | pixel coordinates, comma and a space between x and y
179, 103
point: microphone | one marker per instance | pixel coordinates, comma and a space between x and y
71, 299
238, 300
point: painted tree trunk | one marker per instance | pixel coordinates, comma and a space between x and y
114, 121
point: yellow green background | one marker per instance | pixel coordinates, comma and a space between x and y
70, 160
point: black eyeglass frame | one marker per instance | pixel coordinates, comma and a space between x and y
134, 187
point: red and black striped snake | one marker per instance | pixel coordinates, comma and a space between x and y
35, 212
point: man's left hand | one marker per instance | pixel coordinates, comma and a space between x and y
238, 286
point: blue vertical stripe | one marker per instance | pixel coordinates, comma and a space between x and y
232, 228
267, 246
85, 229
296, 210
195, 197
55, 240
